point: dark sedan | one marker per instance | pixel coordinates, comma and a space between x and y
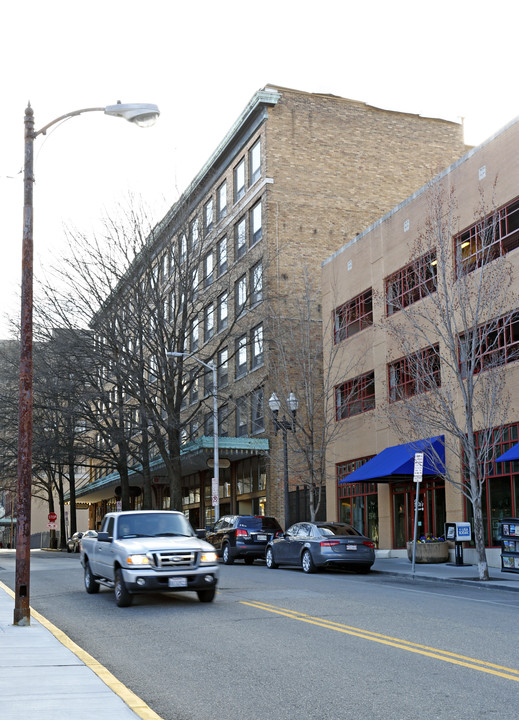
243, 537
319, 545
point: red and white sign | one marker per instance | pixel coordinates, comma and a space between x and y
52, 526
52, 517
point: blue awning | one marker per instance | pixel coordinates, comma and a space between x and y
512, 454
399, 460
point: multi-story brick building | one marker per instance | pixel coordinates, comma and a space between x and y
365, 284
297, 175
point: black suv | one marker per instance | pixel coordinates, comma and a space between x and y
243, 536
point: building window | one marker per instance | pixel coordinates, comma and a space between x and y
255, 224
240, 295
194, 234
415, 281
208, 216
209, 322
221, 199
193, 391
497, 344
241, 356
355, 396
257, 346
256, 283
153, 369
194, 335
223, 368
208, 383
254, 163
487, 239
257, 414
414, 374
223, 417
239, 180
209, 269
221, 318
240, 240
241, 417
182, 248
353, 316
221, 255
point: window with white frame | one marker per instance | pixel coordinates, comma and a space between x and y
223, 417
255, 224
241, 356
241, 417
239, 180
194, 234
193, 390
208, 215
256, 283
257, 346
182, 248
221, 195
240, 238
221, 255
195, 328
257, 411
240, 295
209, 322
223, 368
209, 269
222, 312
254, 162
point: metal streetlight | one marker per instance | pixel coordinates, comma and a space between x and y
142, 114
284, 425
216, 460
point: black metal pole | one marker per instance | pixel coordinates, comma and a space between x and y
285, 460
22, 614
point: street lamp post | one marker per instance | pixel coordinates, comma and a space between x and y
140, 114
216, 459
284, 425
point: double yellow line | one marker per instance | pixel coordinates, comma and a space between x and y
468, 662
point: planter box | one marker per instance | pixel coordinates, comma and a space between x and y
434, 552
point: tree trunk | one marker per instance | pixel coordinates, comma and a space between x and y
479, 538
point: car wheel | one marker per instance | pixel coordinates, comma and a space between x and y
269, 559
90, 584
206, 595
68, 549
363, 569
307, 563
226, 555
248, 560
122, 596
76, 549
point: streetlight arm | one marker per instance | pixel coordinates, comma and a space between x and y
138, 113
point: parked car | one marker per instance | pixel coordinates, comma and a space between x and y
87, 534
319, 545
243, 537
73, 542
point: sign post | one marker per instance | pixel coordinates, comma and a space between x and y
418, 473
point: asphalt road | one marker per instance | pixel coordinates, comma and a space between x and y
279, 644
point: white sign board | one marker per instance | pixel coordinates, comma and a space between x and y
214, 492
52, 526
418, 467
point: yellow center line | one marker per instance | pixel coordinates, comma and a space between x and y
445, 655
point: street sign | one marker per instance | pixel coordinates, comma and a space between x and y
52, 517
52, 526
418, 467
214, 492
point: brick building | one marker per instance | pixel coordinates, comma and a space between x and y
297, 176
368, 285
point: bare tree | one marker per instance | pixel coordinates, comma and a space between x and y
449, 331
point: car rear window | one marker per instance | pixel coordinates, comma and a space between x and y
258, 523
338, 530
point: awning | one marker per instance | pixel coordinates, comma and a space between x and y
512, 454
398, 460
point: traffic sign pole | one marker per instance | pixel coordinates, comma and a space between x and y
418, 474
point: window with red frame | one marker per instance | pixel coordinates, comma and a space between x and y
414, 374
355, 396
353, 316
490, 237
411, 283
497, 344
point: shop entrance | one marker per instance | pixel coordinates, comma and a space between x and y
431, 510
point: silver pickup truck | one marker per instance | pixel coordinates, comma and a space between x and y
148, 551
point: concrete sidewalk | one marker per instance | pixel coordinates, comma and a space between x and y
46, 676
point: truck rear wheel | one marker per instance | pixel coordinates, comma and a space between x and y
90, 584
122, 596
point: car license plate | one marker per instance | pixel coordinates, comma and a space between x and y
261, 538
177, 582
351, 547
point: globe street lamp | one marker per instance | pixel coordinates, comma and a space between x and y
140, 114
216, 460
284, 425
